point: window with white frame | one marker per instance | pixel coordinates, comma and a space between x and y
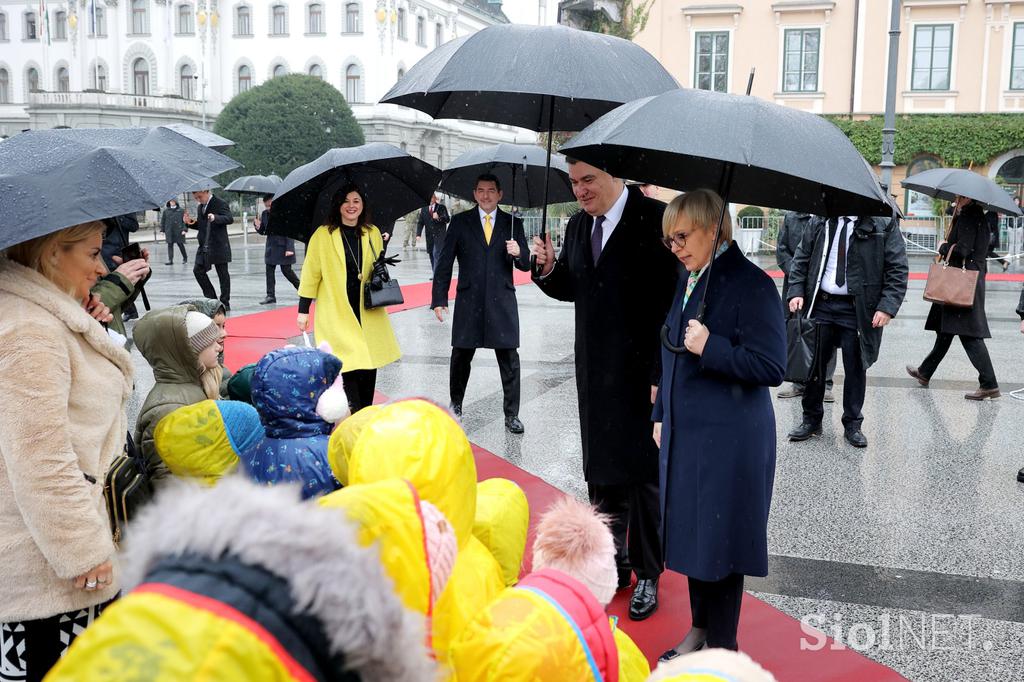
185, 24
140, 18
353, 78
63, 79
401, 73
97, 21
5, 86
3, 26
438, 35
279, 20
421, 31
187, 81
315, 19
31, 27
933, 57
401, 28
140, 77
800, 57
316, 71
244, 78
711, 61
99, 78
243, 20
352, 18
279, 70
32, 79
60, 25
1017, 58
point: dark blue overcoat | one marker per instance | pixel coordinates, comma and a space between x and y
717, 459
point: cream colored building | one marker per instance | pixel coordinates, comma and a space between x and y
956, 56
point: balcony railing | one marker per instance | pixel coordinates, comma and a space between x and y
117, 100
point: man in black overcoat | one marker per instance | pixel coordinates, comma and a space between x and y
433, 219
279, 252
615, 268
487, 243
211, 221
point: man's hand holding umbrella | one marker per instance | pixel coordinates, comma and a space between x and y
544, 252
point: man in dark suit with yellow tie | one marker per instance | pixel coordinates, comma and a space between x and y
487, 243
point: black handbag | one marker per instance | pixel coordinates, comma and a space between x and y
127, 488
381, 290
801, 343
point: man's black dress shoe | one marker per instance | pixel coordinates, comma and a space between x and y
1020, 476
514, 425
645, 599
804, 431
268, 300
856, 438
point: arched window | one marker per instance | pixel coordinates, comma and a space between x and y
280, 70
404, 146
401, 73
438, 35
440, 157
1011, 174
243, 21
60, 25
30, 26
421, 31
187, 79
3, 26
185, 25
140, 76
316, 71
279, 20
920, 205
63, 79
315, 19
402, 30
32, 79
5, 86
97, 21
99, 77
352, 82
244, 78
140, 17
423, 152
352, 23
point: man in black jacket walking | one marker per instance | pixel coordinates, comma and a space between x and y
279, 252
434, 219
212, 220
852, 275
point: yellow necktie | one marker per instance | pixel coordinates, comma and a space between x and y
487, 228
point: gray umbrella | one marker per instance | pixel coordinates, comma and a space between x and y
543, 78
393, 181
519, 168
52, 179
949, 183
750, 151
203, 137
205, 183
254, 184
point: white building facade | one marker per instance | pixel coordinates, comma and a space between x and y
146, 62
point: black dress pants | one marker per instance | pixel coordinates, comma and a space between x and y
837, 328
359, 386
508, 366
977, 353
200, 272
635, 512
288, 273
181, 247
715, 607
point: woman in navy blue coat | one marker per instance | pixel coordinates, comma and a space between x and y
714, 419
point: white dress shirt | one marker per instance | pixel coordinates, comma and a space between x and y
494, 219
611, 218
828, 278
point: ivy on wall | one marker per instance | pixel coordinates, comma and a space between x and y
958, 139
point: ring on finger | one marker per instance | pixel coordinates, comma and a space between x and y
90, 584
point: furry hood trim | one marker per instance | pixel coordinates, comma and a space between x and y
313, 548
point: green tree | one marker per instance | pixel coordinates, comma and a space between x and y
284, 123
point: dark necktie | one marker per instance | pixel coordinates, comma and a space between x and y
597, 237
841, 257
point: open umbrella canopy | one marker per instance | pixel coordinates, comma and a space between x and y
516, 75
751, 151
205, 183
949, 183
52, 179
203, 137
394, 183
519, 168
254, 184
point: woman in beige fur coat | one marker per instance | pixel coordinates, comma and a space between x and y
66, 384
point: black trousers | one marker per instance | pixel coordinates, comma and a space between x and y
715, 607
508, 367
180, 241
977, 353
635, 512
837, 328
288, 273
207, 286
359, 386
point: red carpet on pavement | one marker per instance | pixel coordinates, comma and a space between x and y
768, 635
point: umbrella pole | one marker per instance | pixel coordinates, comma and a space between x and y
547, 170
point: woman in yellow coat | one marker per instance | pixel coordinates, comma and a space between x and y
339, 258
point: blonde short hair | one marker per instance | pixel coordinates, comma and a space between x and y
32, 253
702, 207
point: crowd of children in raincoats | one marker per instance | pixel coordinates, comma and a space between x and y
291, 540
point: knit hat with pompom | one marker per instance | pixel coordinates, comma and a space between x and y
572, 537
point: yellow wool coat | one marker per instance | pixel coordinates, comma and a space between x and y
324, 277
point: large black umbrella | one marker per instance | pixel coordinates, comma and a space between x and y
394, 183
949, 183
746, 149
543, 78
52, 179
203, 137
255, 184
520, 168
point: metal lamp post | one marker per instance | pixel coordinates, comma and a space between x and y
889, 124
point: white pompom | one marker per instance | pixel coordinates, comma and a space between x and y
333, 403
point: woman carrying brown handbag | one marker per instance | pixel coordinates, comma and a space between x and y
967, 246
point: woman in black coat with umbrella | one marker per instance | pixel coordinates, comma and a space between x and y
965, 246
714, 420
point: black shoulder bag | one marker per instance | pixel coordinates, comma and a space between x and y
126, 489
381, 290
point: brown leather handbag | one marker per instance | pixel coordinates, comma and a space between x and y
951, 286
